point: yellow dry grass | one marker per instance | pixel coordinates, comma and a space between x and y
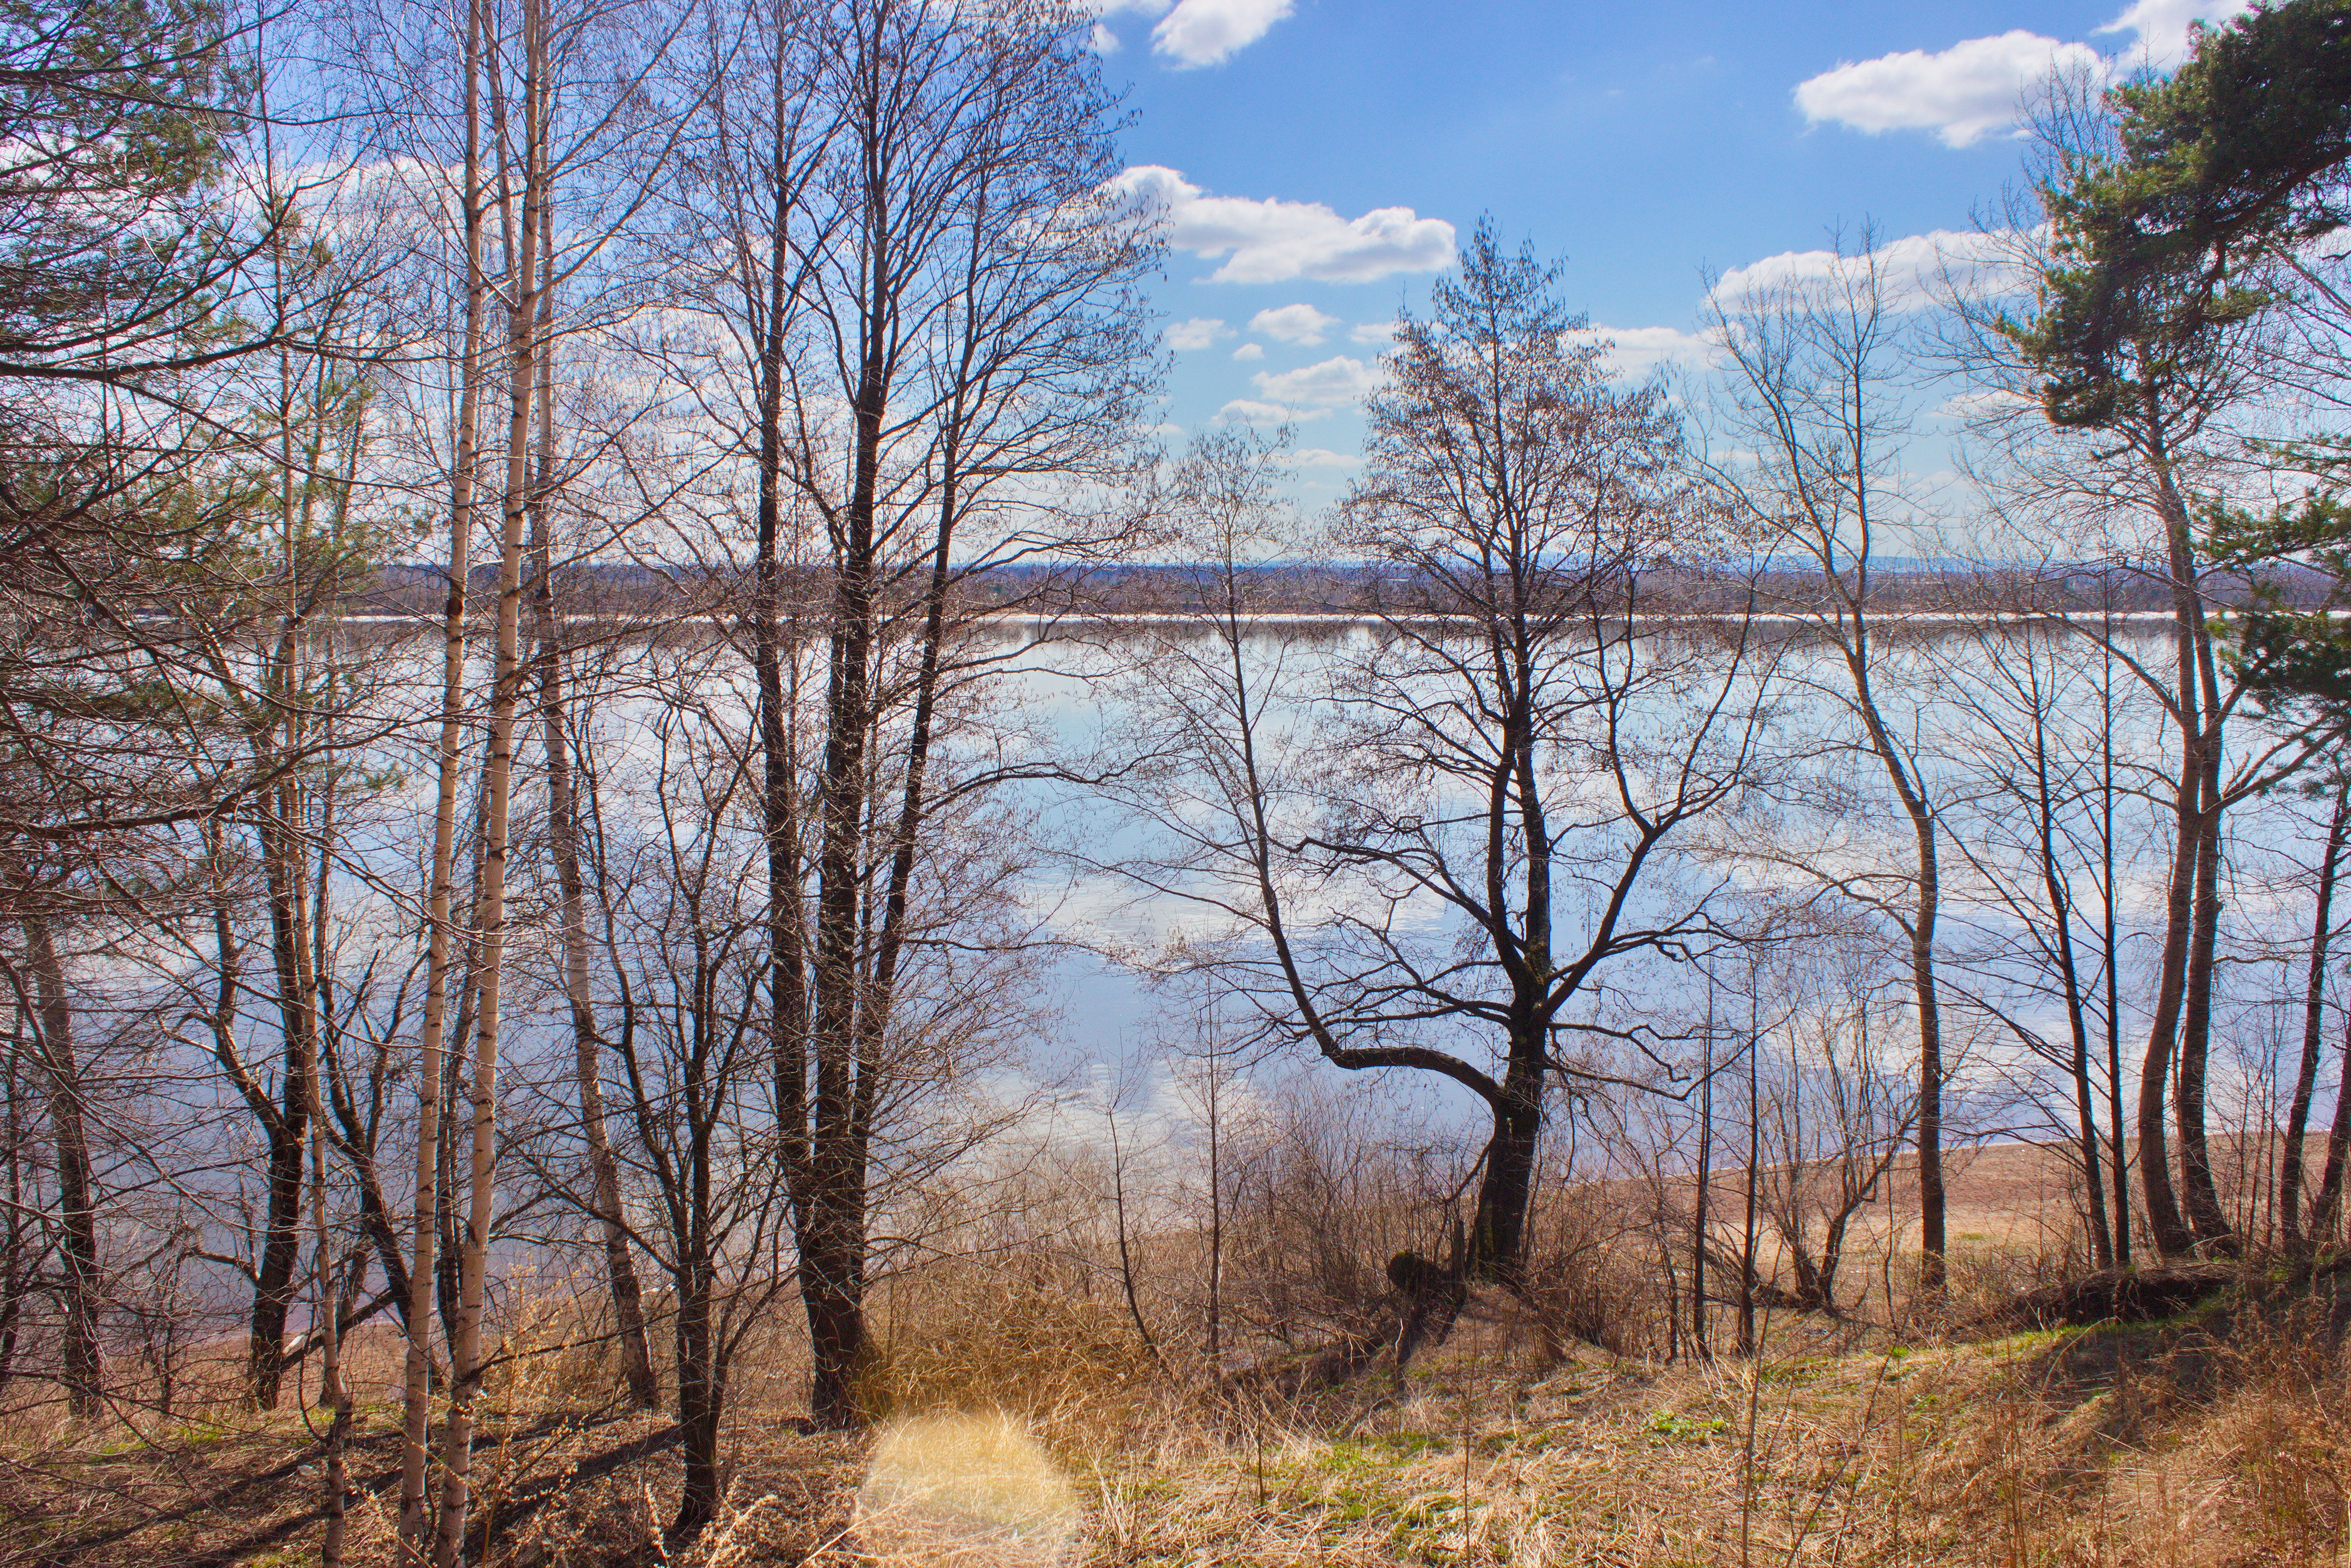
2216, 1441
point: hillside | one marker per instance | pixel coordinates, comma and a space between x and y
1024, 1425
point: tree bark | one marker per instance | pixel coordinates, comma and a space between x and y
1705, 1173
277, 1276
11, 1263
328, 1332
788, 1022
84, 1370
2110, 947
2323, 1212
466, 1360
1926, 911
424, 1216
2314, 1021
2167, 1227
832, 1237
2200, 1193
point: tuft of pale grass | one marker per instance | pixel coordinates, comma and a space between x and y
962, 1337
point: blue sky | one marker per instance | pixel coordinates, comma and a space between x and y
1639, 141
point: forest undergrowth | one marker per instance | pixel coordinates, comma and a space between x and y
2218, 1437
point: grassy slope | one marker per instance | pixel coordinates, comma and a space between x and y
2219, 1438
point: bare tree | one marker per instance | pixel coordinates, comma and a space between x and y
921, 300
1838, 1119
1811, 390
551, 659
683, 928
2040, 794
1487, 762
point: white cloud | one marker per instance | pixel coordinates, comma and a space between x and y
1974, 88
1274, 241
1198, 333
1247, 411
1250, 351
1914, 268
2163, 26
1634, 353
1322, 457
1103, 41
1378, 334
1983, 403
1208, 31
1301, 324
1338, 380
1966, 92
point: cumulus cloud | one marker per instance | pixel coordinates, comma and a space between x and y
1322, 457
1962, 94
1376, 334
1274, 241
1208, 31
1634, 353
2163, 26
1337, 380
1198, 333
1193, 32
1974, 88
1301, 324
1914, 268
1250, 351
1248, 411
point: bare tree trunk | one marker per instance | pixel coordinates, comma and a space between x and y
1705, 1171
2313, 1020
2111, 945
1216, 1345
779, 799
331, 1343
2077, 1023
1931, 1200
277, 1278
2169, 1228
522, 347
1746, 1343
701, 1390
456, 1091
77, 1198
1926, 910
832, 1239
425, 1212
563, 845
2323, 1213
1126, 1251
2199, 1195
12, 1265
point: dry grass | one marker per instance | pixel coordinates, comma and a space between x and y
2218, 1440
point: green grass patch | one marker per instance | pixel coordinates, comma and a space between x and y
1687, 1428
